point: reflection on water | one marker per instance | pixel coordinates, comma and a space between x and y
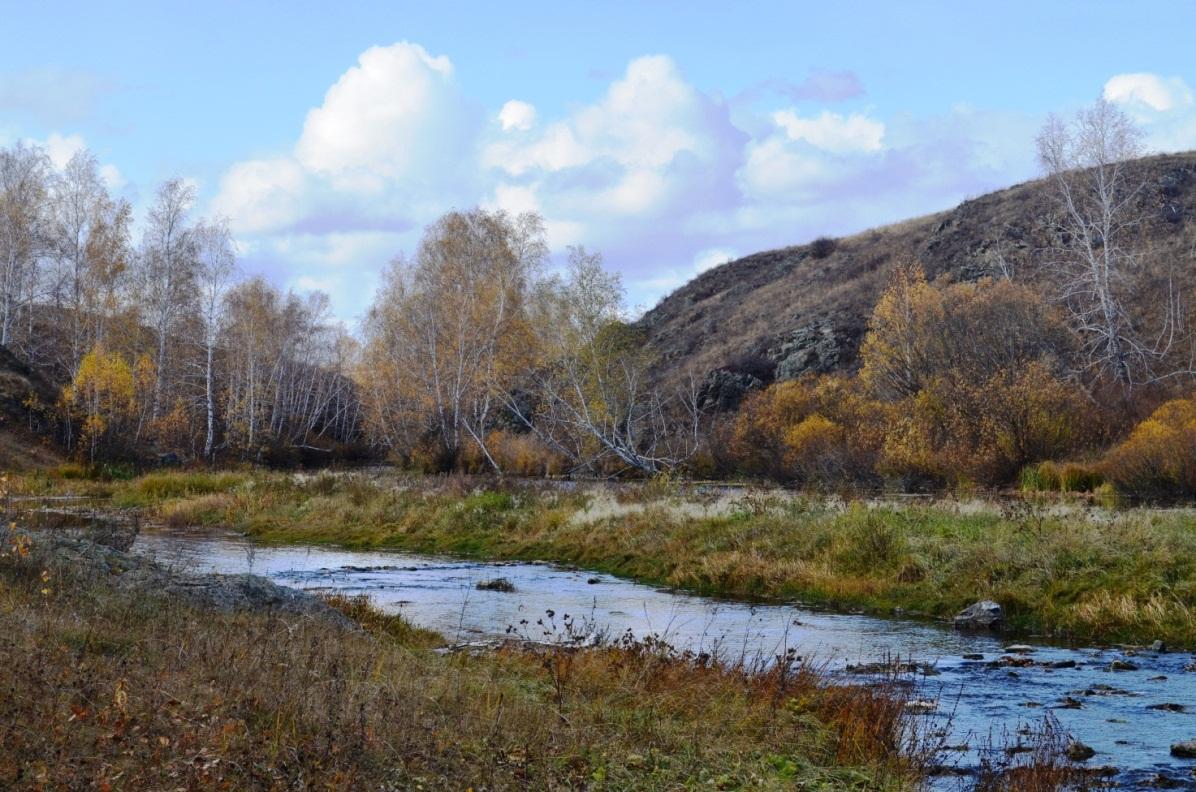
1114, 714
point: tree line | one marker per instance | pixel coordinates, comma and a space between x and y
478, 355
158, 344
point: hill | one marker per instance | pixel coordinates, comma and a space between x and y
24, 437
781, 313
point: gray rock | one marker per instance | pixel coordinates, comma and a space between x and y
722, 390
811, 348
1079, 752
1184, 750
983, 615
1158, 647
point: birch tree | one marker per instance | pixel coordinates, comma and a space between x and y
167, 283
24, 176
448, 330
1087, 160
216, 268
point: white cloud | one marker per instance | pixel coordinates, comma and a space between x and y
833, 132
114, 180
60, 148
1157, 93
389, 147
1164, 107
389, 117
652, 147
517, 115
262, 195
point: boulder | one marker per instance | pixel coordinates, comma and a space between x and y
812, 348
983, 615
1184, 750
722, 390
1079, 752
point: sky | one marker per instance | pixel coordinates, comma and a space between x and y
669, 136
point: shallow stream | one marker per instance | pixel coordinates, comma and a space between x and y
1130, 717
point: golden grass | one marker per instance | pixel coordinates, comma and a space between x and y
103, 689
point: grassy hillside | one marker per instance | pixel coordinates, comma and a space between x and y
805, 308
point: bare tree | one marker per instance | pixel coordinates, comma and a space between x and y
167, 272
592, 396
24, 177
1087, 160
217, 265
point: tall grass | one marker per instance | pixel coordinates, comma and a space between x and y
108, 689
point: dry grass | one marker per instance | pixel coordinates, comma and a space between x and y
103, 689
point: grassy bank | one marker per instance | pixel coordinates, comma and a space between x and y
1063, 570
103, 689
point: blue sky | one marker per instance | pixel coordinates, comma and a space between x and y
669, 135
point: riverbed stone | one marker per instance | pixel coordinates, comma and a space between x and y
1079, 752
1184, 750
982, 615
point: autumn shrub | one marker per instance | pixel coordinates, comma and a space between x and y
921, 332
104, 404
958, 432
1159, 456
813, 429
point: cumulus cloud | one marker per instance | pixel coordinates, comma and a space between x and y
60, 148
388, 145
1155, 92
652, 147
833, 132
517, 115
1164, 107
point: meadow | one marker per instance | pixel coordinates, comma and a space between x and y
1060, 566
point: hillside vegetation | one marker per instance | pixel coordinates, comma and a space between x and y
806, 308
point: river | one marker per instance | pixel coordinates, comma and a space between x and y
1119, 713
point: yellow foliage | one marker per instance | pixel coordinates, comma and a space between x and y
958, 431
812, 429
1160, 453
102, 398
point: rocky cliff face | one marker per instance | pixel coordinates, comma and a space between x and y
805, 308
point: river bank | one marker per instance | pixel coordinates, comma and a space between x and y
117, 684
1065, 570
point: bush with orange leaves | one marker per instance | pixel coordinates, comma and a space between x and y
813, 430
961, 432
1159, 456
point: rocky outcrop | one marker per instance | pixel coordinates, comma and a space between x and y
723, 390
816, 348
983, 615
